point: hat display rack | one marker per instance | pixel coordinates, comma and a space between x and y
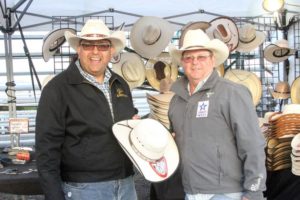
254, 61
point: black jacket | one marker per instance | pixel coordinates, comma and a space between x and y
74, 139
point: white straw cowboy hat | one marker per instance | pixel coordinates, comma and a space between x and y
279, 51
131, 67
295, 91
150, 35
46, 80
282, 90
150, 147
224, 29
249, 38
95, 29
53, 40
159, 69
197, 39
192, 26
248, 79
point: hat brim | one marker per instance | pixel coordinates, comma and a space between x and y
53, 41
269, 53
248, 79
137, 61
192, 26
117, 40
121, 131
150, 72
295, 91
250, 46
219, 49
277, 95
233, 42
153, 50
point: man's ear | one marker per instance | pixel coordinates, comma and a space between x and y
112, 51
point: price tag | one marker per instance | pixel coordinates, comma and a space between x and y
18, 125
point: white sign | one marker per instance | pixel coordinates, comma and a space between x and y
18, 125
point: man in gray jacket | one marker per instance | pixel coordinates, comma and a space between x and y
215, 126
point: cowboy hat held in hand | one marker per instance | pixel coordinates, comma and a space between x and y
196, 40
95, 29
150, 147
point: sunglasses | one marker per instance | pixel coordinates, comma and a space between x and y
100, 47
199, 58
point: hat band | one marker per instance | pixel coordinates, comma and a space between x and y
283, 52
140, 154
281, 92
246, 42
94, 35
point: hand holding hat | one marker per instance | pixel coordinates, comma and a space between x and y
150, 147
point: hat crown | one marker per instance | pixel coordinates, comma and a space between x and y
247, 33
151, 34
150, 139
282, 87
130, 71
194, 38
282, 43
93, 28
222, 32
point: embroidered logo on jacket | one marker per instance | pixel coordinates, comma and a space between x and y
121, 93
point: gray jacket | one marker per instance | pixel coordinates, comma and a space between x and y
219, 140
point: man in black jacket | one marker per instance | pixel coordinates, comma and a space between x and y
77, 155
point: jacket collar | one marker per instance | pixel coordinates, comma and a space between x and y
74, 76
180, 86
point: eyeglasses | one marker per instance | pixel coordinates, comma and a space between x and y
100, 47
190, 59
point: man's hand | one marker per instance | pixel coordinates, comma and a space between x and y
136, 117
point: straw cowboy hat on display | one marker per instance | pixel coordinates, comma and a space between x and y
161, 68
295, 91
150, 147
53, 40
224, 29
197, 39
249, 38
279, 51
95, 29
131, 67
282, 90
248, 79
150, 35
192, 26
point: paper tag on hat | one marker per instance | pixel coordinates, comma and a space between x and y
160, 167
202, 109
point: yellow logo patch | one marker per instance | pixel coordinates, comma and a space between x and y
121, 93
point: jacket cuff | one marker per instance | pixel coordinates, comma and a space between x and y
258, 195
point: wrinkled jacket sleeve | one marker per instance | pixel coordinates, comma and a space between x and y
49, 139
250, 141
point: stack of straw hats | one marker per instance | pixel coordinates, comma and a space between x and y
295, 155
159, 107
281, 130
